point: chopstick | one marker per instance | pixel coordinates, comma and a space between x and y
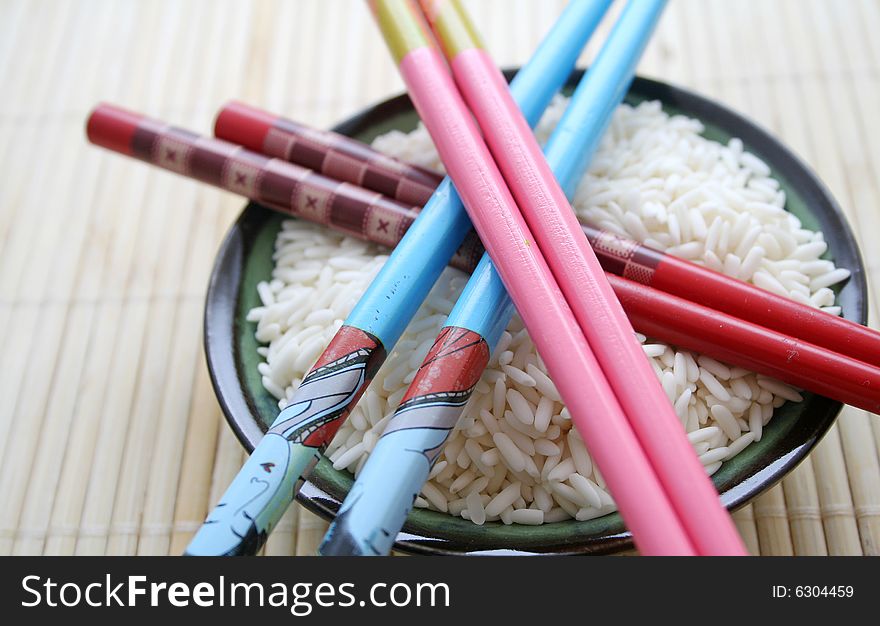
248, 511
746, 301
376, 506
115, 128
665, 323
739, 342
382, 495
617, 255
519, 259
579, 275
280, 185
334, 155
658, 333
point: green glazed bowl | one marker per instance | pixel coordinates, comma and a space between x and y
245, 258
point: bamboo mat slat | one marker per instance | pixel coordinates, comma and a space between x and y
111, 440
744, 518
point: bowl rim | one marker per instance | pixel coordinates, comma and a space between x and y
240, 411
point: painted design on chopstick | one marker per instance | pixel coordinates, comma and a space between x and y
332, 386
442, 386
624, 257
417, 433
350, 161
300, 191
329, 153
238, 525
267, 483
277, 184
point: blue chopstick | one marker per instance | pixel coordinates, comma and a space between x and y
267, 483
380, 499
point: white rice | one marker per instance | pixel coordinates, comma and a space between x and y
514, 456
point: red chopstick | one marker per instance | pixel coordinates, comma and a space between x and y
743, 300
332, 154
748, 345
729, 333
279, 137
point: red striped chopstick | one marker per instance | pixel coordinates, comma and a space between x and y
277, 184
278, 137
759, 347
332, 154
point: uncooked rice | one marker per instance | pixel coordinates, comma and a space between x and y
514, 456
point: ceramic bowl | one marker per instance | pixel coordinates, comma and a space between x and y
245, 258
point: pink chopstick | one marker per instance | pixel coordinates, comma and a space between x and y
593, 406
582, 281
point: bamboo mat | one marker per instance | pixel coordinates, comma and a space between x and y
111, 441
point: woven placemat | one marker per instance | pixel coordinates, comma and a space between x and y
110, 436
